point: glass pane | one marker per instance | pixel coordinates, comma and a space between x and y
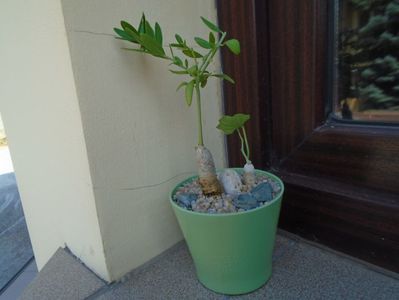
368, 60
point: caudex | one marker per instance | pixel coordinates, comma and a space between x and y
189, 62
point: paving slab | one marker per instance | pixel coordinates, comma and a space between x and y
15, 246
308, 272
63, 277
300, 271
16, 287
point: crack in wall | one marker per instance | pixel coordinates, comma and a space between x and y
92, 32
145, 186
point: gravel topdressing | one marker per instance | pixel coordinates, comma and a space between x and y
189, 196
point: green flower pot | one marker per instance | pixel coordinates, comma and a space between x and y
232, 252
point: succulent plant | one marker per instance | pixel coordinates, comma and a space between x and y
192, 63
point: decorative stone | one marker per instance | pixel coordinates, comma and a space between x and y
249, 175
262, 192
228, 206
185, 199
275, 186
231, 181
218, 203
246, 201
190, 196
202, 204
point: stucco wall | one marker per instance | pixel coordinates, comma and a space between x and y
40, 111
98, 135
140, 135
2, 132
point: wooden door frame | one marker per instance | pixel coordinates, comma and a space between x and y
342, 180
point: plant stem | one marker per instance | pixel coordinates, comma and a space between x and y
201, 70
242, 146
208, 59
199, 112
246, 142
171, 51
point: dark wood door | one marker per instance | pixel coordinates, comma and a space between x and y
342, 180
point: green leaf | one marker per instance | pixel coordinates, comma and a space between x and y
204, 81
136, 50
212, 38
191, 53
174, 45
234, 46
178, 72
202, 43
134, 34
181, 85
158, 34
229, 124
228, 78
189, 92
210, 25
193, 70
179, 39
141, 28
151, 45
124, 35
125, 25
149, 30
225, 77
186, 63
177, 61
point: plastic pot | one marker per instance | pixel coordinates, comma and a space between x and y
232, 252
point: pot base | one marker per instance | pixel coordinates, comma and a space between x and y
238, 289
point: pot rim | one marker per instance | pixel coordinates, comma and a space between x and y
276, 198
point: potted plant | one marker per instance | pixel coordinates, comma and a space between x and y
190, 63
229, 219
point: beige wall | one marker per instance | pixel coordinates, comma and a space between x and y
98, 135
140, 134
41, 115
2, 132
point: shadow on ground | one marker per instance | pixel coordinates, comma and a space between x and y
15, 247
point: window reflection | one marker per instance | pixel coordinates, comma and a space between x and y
368, 60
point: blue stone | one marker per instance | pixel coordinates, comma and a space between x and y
262, 192
185, 199
245, 201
